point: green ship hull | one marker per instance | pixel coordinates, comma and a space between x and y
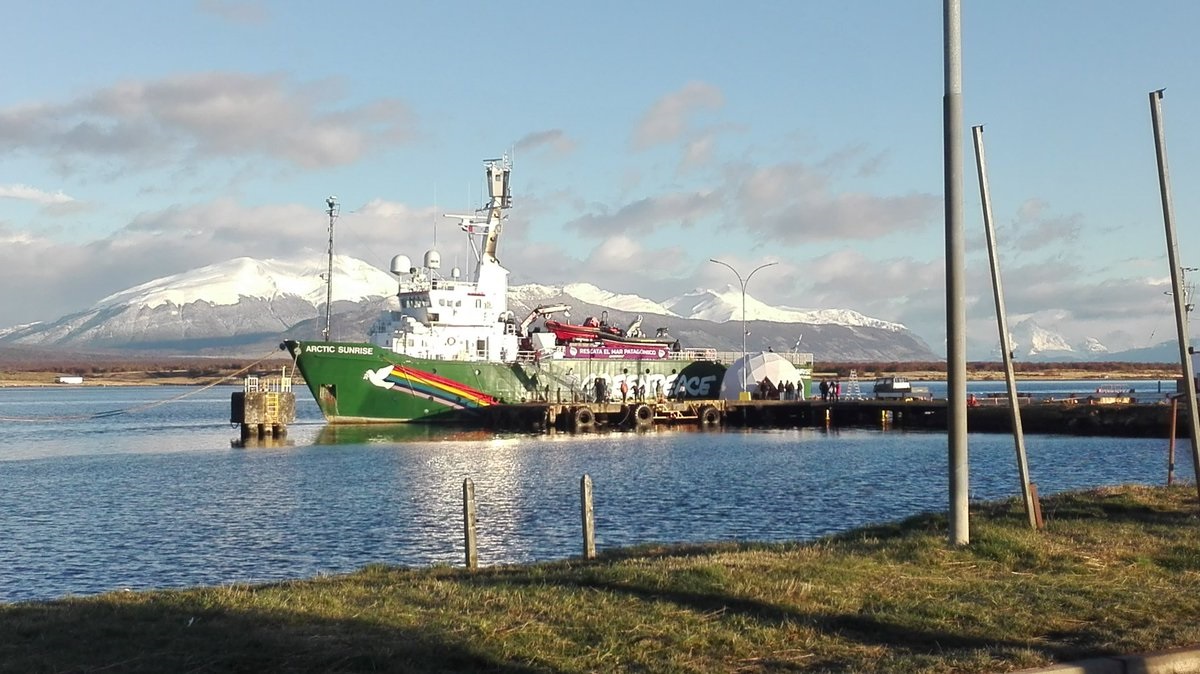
365, 383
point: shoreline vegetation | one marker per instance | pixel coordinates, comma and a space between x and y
1115, 571
200, 372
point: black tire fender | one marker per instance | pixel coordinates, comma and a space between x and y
583, 418
643, 416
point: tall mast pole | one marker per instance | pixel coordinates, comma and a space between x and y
1181, 300
332, 203
1010, 378
956, 313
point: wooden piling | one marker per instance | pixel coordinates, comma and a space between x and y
472, 545
1171, 444
1038, 524
589, 518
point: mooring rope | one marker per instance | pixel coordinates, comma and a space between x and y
145, 406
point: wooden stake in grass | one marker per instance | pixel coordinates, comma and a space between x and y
589, 518
469, 524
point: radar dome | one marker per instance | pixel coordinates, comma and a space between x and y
433, 260
401, 265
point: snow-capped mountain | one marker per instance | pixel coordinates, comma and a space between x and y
1030, 339
231, 303
708, 318
245, 304
1093, 347
590, 294
231, 281
726, 305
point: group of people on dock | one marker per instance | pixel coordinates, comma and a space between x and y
831, 389
768, 390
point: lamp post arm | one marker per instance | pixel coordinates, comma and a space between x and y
751, 274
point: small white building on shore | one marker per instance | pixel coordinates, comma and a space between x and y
69, 379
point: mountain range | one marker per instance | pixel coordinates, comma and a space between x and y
244, 306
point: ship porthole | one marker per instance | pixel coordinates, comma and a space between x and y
450, 341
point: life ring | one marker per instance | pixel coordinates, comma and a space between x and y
583, 419
709, 416
449, 341
643, 416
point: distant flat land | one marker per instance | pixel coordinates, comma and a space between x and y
201, 372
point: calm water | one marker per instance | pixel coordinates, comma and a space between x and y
158, 497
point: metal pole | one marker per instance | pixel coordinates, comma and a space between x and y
1181, 301
743, 284
1014, 408
331, 202
956, 315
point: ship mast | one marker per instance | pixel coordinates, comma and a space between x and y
498, 171
499, 198
332, 203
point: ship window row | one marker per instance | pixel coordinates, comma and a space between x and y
415, 302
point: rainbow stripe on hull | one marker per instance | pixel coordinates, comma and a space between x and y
451, 393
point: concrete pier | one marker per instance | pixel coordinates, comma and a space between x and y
264, 407
1128, 420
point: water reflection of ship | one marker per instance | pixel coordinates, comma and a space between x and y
363, 434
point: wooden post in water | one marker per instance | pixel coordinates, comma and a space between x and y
589, 517
469, 524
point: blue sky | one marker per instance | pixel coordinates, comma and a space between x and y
141, 139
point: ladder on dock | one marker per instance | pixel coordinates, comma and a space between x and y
853, 390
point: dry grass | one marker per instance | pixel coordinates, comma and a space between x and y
1116, 571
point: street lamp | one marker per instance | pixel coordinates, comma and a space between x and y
743, 284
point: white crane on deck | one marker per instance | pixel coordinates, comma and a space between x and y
541, 310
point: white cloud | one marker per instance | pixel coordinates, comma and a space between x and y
668, 118
792, 203
217, 114
554, 140
27, 193
646, 215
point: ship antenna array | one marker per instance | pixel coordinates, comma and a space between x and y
333, 210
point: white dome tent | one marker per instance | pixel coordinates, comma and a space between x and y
755, 368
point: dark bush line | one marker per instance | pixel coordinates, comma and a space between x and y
873, 368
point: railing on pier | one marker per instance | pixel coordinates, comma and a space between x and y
256, 384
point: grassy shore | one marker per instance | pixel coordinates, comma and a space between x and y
1116, 571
